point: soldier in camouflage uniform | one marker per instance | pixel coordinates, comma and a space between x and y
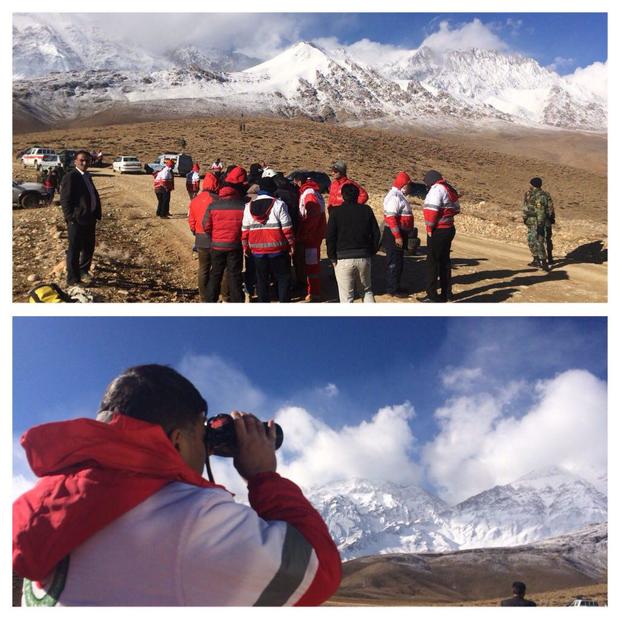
539, 216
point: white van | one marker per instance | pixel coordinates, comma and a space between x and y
34, 155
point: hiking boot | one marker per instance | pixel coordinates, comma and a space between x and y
534, 263
544, 266
86, 277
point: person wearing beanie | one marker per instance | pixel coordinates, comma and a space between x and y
202, 242
267, 234
440, 206
397, 225
539, 217
222, 223
163, 184
339, 168
192, 181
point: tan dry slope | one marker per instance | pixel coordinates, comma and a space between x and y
140, 258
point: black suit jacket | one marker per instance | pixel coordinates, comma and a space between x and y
76, 201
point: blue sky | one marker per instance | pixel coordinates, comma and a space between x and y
410, 382
562, 41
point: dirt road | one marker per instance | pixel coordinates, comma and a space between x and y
485, 270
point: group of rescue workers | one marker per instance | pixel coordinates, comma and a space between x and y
259, 229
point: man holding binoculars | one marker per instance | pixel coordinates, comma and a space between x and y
122, 514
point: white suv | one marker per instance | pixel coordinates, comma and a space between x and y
33, 156
125, 163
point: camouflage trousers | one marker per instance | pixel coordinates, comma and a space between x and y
536, 241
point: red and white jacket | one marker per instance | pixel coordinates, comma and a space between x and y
335, 192
118, 518
440, 206
397, 213
192, 181
267, 227
163, 180
312, 223
223, 218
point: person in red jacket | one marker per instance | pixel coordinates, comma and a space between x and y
163, 184
312, 226
197, 210
339, 168
192, 181
222, 222
440, 206
121, 515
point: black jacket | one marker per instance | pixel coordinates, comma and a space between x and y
75, 199
515, 601
352, 232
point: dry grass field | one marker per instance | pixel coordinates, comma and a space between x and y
140, 258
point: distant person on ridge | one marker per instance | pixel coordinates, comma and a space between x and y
397, 224
440, 206
518, 597
163, 184
539, 216
339, 168
192, 181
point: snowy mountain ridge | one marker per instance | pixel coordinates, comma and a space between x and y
370, 518
54, 65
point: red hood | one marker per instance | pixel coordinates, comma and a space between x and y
93, 473
228, 192
210, 183
452, 193
309, 184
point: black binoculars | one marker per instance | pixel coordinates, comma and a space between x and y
221, 436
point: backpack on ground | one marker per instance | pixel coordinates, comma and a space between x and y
48, 294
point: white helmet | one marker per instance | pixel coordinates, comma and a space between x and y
268, 172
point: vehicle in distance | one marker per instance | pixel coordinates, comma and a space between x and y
182, 163
34, 155
28, 195
126, 163
49, 162
582, 601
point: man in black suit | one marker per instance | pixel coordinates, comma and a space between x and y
518, 597
81, 208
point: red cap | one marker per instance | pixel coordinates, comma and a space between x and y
196, 167
169, 163
402, 178
236, 176
210, 183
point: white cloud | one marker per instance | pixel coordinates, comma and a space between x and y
330, 390
460, 379
224, 386
365, 51
560, 62
379, 448
23, 478
473, 34
592, 78
479, 446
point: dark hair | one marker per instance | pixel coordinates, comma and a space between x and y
350, 192
267, 184
300, 176
156, 394
518, 587
82, 152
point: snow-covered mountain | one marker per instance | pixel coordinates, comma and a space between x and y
64, 71
370, 518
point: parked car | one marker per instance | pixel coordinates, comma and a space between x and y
126, 163
28, 195
67, 157
320, 178
34, 155
582, 601
182, 163
49, 162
